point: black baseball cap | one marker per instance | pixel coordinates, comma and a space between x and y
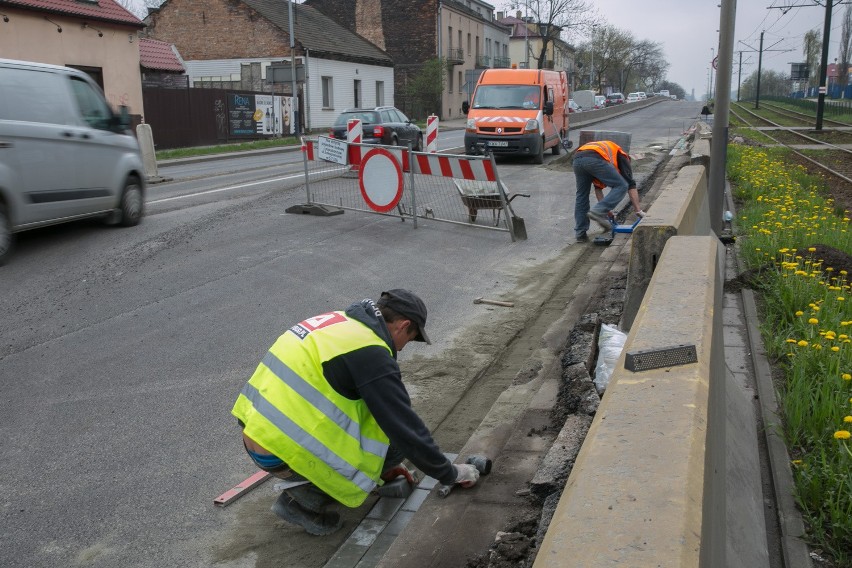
409, 305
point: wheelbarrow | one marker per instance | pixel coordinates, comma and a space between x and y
476, 195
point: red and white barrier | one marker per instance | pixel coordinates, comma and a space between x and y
442, 165
432, 134
458, 167
354, 134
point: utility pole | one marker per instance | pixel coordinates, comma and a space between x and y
760, 64
710, 86
823, 66
719, 142
296, 128
739, 76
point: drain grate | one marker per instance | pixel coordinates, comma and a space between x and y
647, 359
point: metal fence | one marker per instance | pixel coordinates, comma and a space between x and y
416, 186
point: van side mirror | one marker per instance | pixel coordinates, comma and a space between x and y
548, 108
465, 107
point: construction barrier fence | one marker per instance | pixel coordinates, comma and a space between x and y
398, 182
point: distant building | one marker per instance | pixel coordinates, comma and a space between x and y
470, 40
233, 43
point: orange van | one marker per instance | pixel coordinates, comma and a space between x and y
518, 112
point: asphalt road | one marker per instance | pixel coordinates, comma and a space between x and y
122, 350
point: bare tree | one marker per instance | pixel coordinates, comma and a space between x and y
811, 48
845, 51
557, 17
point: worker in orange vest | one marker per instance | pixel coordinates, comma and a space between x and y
604, 164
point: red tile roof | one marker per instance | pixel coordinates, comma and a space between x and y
158, 55
103, 10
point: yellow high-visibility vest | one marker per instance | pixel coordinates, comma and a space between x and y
289, 408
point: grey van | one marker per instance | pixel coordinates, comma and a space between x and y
64, 154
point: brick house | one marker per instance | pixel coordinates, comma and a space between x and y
219, 38
464, 32
100, 38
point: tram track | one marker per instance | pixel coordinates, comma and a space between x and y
831, 153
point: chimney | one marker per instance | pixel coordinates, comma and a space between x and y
499, 16
518, 14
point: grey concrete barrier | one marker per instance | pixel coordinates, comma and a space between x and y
647, 488
682, 208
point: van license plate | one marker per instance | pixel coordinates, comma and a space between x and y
503, 143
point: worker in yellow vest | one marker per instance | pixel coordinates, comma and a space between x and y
327, 410
604, 164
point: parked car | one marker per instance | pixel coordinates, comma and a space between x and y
642, 95
632, 97
600, 101
613, 99
380, 125
573, 107
64, 154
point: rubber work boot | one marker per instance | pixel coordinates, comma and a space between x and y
319, 524
310, 497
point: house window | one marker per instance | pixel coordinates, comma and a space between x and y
468, 44
460, 41
380, 93
357, 93
450, 83
327, 92
461, 83
450, 46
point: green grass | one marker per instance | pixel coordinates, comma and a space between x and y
225, 148
807, 329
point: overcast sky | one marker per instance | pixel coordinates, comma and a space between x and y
687, 30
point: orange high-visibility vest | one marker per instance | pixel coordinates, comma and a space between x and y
608, 150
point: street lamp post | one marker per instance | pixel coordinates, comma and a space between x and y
592, 61
710, 87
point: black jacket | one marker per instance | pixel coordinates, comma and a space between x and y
372, 374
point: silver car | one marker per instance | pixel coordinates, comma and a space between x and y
64, 154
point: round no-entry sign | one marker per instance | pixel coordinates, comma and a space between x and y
380, 179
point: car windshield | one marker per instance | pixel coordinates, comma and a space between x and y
507, 96
366, 117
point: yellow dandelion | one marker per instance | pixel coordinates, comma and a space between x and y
803, 343
800, 313
846, 377
847, 418
813, 321
842, 435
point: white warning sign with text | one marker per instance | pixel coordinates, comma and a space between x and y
332, 150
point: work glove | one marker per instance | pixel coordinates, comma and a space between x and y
466, 475
398, 471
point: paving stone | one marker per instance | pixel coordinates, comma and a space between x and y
415, 500
734, 336
347, 555
385, 508
398, 523
367, 532
380, 546
559, 460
